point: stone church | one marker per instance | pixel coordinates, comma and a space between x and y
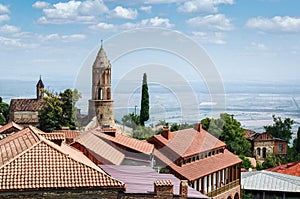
101, 103
25, 111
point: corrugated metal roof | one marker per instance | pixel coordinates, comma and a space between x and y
270, 181
140, 179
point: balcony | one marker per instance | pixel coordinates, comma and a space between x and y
224, 188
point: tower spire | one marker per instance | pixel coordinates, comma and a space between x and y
101, 43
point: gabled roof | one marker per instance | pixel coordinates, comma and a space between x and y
11, 126
31, 162
126, 141
270, 181
68, 133
290, 169
188, 142
25, 105
140, 179
200, 168
105, 152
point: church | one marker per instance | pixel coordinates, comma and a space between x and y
101, 103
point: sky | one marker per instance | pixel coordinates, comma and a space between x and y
255, 40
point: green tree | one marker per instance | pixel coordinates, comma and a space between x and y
233, 136
131, 120
143, 133
213, 126
245, 195
174, 127
50, 117
68, 99
281, 129
58, 110
246, 162
4, 112
144, 112
270, 161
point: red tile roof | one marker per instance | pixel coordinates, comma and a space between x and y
68, 133
188, 142
290, 169
31, 162
195, 170
11, 126
106, 153
25, 105
163, 183
53, 136
126, 141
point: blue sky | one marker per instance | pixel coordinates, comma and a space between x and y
255, 40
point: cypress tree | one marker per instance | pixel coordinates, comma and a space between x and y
144, 113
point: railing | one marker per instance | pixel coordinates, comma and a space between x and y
224, 188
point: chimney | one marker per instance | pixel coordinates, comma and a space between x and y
166, 132
198, 126
163, 188
183, 189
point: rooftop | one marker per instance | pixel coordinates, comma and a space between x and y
270, 181
40, 164
140, 179
290, 169
9, 128
25, 105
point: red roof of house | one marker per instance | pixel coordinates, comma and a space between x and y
11, 125
197, 169
30, 162
188, 142
68, 133
126, 141
290, 169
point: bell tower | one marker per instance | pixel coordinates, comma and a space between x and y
101, 103
39, 89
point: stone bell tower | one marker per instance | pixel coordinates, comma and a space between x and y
101, 103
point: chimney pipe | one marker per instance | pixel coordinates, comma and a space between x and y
183, 189
198, 126
166, 132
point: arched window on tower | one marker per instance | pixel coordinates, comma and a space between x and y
100, 96
108, 93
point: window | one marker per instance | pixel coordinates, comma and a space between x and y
280, 148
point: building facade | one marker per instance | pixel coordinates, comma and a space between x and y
197, 156
101, 103
25, 111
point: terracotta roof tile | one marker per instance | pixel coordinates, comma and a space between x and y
27, 120
188, 142
11, 126
69, 134
31, 162
290, 169
25, 105
53, 136
195, 170
103, 151
126, 141
163, 183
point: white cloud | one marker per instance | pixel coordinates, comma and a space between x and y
146, 9
9, 29
62, 38
258, 46
124, 13
102, 26
4, 18
209, 6
157, 22
73, 37
9, 42
277, 23
4, 9
73, 12
40, 4
93, 7
209, 37
211, 22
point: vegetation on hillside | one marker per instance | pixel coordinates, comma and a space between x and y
281, 129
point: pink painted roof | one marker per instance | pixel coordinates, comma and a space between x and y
140, 179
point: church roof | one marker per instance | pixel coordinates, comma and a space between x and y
25, 105
101, 60
28, 161
40, 84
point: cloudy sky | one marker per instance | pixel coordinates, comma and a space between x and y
247, 40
